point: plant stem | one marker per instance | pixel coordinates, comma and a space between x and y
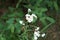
17, 5
43, 30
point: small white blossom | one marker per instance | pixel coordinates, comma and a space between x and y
30, 18
35, 37
43, 35
37, 28
36, 33
29, 10
21, 22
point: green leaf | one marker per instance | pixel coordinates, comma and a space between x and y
12, 15
50, 19
56, 6
43, 9
1, 37
34, 20
11, 28
45, 28
17, 5
19, 14
4, 16
1, 26
43, 21
18, 27
10, 21
50, 3
38, 2
11, 9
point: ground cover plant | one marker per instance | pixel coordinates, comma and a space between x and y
15, 24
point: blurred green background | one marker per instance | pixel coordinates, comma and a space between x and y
54, 32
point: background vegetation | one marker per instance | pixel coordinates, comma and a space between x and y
11, 11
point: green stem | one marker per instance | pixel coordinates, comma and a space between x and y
43, 30
17, 5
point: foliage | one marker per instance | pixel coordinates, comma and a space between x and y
11, 29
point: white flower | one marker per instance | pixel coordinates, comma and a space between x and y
34, 15
37, 28
29, 10
30, 18
21, 22
43, 35
35, 37
36, 33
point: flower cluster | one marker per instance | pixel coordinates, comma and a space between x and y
31, 17
37, 34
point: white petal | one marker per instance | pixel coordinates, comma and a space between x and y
35, 38
21, 22
43, 34
37, 33
37, 28
29, 18
27, 15
29, 10
29, 21
34, 15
